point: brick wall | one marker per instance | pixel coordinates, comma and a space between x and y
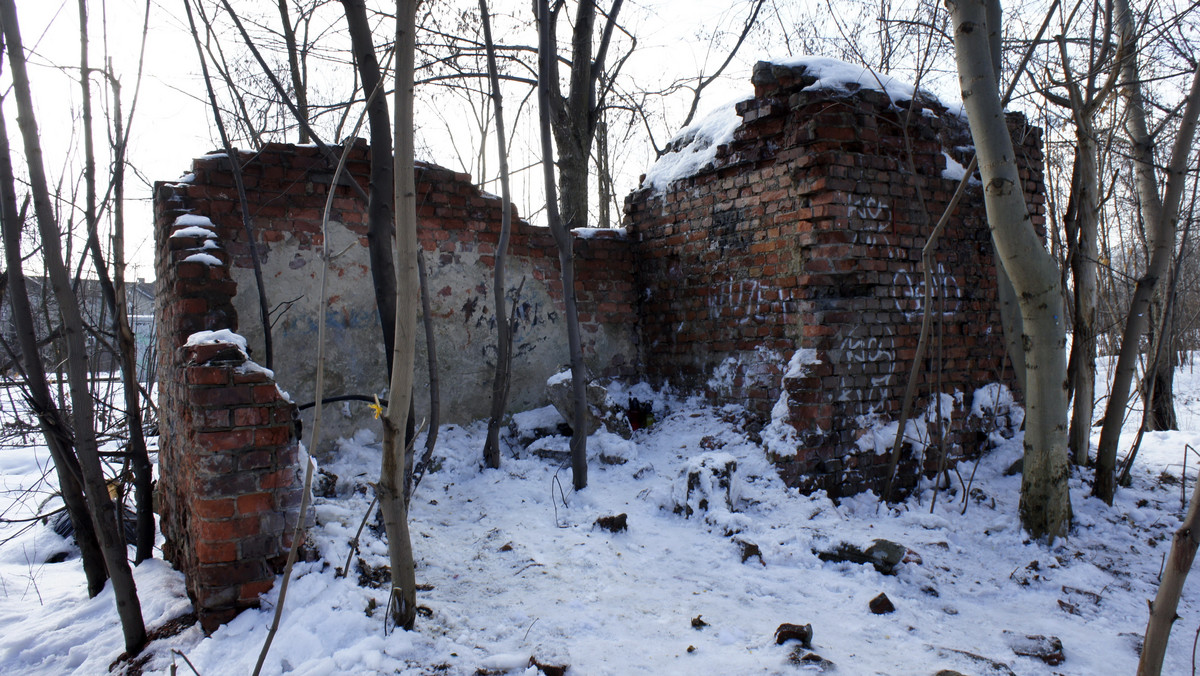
785, 276
801, 243
459, 229
229, 488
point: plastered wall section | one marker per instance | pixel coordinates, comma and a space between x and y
786, 276
459, 229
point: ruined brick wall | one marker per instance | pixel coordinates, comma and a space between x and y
794, 258
229, 484
459, 229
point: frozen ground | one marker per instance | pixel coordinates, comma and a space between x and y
511, 566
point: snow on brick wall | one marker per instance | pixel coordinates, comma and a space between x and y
802, 236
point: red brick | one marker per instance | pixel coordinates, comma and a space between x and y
216, 552
208, 375
254, 503
221, 508
228, 440
250, 416
250, 591
280, 479
273, 436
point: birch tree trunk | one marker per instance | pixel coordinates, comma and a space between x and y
403, 604
1045, 505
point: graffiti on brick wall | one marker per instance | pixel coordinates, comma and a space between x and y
865, 365
946, 295
869, 208
752, 296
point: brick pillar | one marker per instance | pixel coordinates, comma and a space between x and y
229, 476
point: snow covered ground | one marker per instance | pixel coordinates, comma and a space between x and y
513, 567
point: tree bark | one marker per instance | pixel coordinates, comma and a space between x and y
1170, 588
504, 330
562, 238
381, 196
574, 117
403, 605
298, 84
103, 512
1085, 246
54, 430
1160, 214
1158, 386
1045, 502
113, 291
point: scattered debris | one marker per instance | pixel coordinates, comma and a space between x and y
807, 659
994, 667
641, 414
613, 524
374, 577
882, 605
800, 632
691, 649
602, 410
885, 555
325, 485
549, 669
527, 427
698, 623
750, 550
1048, 649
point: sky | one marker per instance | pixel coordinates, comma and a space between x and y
172, 122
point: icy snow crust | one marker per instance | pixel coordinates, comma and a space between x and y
511, 570
696, 145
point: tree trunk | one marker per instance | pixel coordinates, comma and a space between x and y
103, 512
380, 226
298, 84
1170, 588
403, 603
504, 330
1158, 386
113, 291
1085, 252
54, 430
562, 238
1045, 503
1160, 214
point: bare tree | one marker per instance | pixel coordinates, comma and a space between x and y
103, 511
1160, 215
1045, 502
402, 604
547, 84
1085, 95
504, 329
113, 289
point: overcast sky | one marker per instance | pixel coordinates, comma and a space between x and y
173, 123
